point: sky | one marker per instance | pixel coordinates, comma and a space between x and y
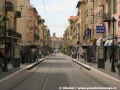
56, 13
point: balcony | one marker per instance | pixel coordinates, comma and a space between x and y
91, 13
106, 17
100, 3
9, 6
14, 34
36, 27
18, 14
36, 36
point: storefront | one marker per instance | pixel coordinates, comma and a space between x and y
98, 44
118, 48
109, 46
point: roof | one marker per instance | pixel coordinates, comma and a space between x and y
79, 3
73, 17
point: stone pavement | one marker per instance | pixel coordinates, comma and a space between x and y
106, 70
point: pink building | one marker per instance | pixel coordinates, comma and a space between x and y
33, 24
117, 17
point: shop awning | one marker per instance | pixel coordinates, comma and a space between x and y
111, 43
98, 42
118, 46
106, 43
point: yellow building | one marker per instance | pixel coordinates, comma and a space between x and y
41, 32
73, 29
22, 24
81, 20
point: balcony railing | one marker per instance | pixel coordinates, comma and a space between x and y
14, 34
106, 17
9, 6
18, 14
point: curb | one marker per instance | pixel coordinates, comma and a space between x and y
34, 64
21, 70
82, 64
96, 71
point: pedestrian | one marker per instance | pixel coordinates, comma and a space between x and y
22, 53
72, 54
1, 60
35, 56
111, 56
78, 54
8, 58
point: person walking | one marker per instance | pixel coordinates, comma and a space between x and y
1, 61
22, 52
78, 54
35, 56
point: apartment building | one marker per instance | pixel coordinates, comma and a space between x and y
12, 35
81, 5
22, 24
33, 34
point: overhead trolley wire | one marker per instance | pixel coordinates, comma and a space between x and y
45, 12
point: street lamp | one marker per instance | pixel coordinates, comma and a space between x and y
113, 55
5, 60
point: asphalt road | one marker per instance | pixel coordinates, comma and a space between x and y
59, 72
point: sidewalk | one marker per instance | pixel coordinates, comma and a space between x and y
12, 70
25, 66
106, 70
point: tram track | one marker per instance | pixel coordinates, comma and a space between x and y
48, 76
14, 85
89, 75
56, 73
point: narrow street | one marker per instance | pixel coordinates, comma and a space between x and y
58, 72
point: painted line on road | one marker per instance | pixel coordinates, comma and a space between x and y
96, 71
20, 71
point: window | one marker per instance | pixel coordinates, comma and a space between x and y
115, 27
114, 7
109, 6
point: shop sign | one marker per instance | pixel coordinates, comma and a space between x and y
91, 40
118, 23
100, 29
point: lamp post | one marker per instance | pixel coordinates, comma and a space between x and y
5, 60
113, 55
5, 19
